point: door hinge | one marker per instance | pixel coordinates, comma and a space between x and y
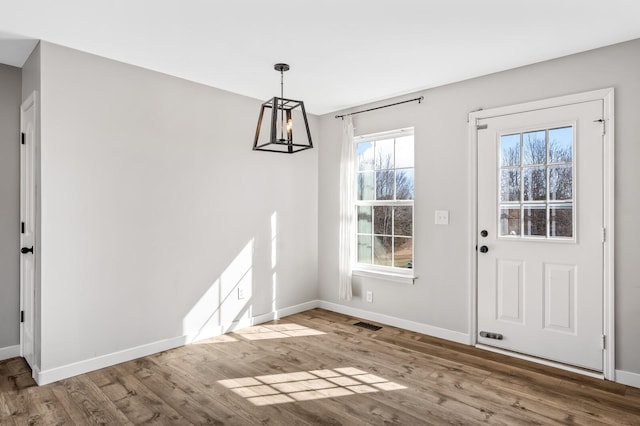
22, 227
603, 342
21, 316
481, 126
604, 235
22, 138
603, 122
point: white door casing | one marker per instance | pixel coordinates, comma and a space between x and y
549, 295
28, 226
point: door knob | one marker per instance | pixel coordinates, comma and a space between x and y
25, 250
484, 249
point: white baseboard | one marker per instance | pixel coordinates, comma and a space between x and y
628, 378
418, 327
9, 352
58, 373
54, 374
284, 312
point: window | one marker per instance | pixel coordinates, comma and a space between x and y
384, 201
536, 184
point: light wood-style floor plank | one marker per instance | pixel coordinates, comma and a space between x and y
401, 378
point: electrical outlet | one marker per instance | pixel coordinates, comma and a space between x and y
240, 293
369, 296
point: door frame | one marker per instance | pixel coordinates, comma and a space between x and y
30, 102
607, 96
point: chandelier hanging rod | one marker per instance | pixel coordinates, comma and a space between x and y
419, 100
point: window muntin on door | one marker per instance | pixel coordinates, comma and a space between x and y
536, 184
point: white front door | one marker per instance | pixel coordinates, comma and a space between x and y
540, 233
28, 226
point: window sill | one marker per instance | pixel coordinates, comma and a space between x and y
388, 276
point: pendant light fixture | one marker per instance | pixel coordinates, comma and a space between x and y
284, 114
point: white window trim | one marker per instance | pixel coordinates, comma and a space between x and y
387, 273
372, 272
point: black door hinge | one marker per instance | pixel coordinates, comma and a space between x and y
21, 316
22, 138
22, 227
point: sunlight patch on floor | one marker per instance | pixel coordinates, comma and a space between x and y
308, 385
276, 331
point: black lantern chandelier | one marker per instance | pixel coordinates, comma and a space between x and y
283, 114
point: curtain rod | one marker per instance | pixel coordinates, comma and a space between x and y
420, 99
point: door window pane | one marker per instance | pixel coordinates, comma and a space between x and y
510, 150
561, 220
510, 185
535, 183
560, 182
561, 145
534, 147
535, 221
403, 252
510, 221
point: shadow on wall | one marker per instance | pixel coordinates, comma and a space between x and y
228, 302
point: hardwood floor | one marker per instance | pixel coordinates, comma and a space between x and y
318, 368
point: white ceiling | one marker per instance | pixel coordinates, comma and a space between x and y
342, 52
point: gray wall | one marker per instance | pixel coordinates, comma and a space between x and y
10, 100
154, 209
440, 296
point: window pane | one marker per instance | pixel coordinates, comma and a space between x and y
384, 154
404, 152
403, 221
509, 221
510, 185
382, 220
404, 184
365, 185
535, 183
382, 251
534, 146
561, 220
364, 249
364, 220
561, 145
560, 182
535, 221
403, 253
510, 150
365, 156
384, 185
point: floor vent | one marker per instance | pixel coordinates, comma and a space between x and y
367, 325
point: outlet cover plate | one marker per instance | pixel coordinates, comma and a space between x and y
442, 217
